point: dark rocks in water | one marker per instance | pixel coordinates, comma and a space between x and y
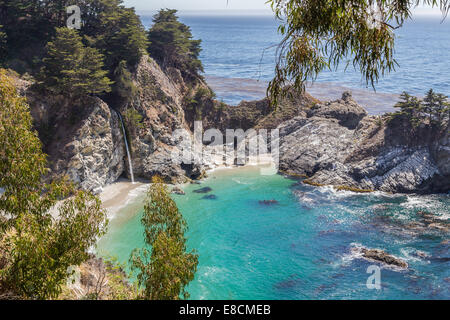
432, 222
381, 256
268, 202
421, 254
178, 191
292, 282
203, 190
441, 259
210, 197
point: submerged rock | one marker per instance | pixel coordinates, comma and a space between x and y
203, 190
210, 197
268, 202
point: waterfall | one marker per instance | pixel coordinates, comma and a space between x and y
126, 145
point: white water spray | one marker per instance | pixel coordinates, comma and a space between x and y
126, 145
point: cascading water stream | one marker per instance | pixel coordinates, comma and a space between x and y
126, 145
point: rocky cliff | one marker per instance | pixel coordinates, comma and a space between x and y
339, 144
335, 143
85, 141
159, 102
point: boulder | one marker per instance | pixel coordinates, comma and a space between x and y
210, 197
179, 191
268, 202
378, 255
345, 110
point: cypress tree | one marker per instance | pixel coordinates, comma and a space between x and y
71, 69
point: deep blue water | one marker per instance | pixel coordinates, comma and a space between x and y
234, 48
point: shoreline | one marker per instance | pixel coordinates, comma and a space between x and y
119, 194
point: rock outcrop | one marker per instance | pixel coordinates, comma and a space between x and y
380, 256
160, 103
338, 144
335, 143
84, 142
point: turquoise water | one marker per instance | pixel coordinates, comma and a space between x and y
301, 247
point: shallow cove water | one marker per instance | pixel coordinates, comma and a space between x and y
298, 247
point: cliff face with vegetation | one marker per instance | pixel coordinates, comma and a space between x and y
338, 144
335, 143
85, 140
159, 110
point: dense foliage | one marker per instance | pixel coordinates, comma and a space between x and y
433, 110
123, 83
320, 34
165, 269
31, 30
171, 44
71, 68
36, 248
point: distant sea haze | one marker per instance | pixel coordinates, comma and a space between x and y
239, 60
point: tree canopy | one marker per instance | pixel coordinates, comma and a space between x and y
433, 110
30, 27
72, 69
171, 44
166, 269
41, 235
321, 34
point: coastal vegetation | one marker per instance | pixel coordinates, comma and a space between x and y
167, 268
322, 34
72, 69
171, 44
45, 228
433, 110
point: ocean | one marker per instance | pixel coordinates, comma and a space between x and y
304, 246
239, 54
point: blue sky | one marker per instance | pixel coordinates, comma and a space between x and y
233, 6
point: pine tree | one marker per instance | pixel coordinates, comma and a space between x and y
410, 107
71, 69
119, 34
429, 104
437, 107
